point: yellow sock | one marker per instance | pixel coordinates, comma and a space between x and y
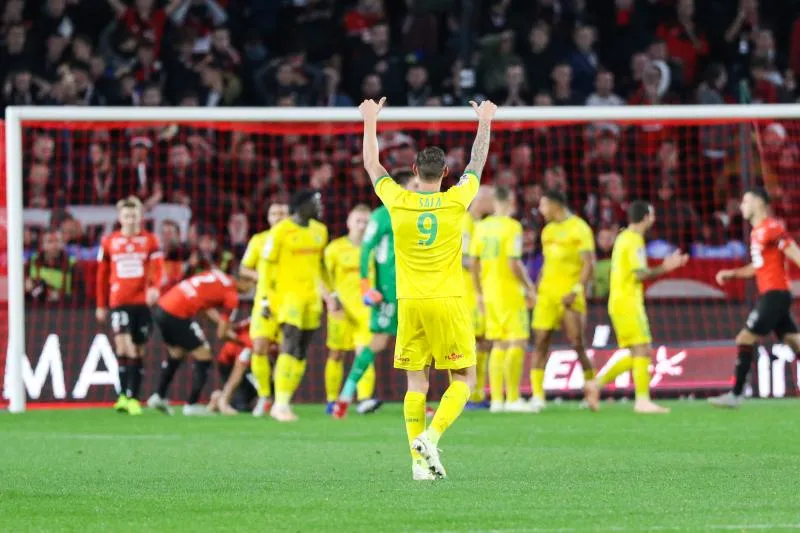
297, 374
588, 375
622, 365
479, 394
450, 408
497, 362
366, 385
537, 383
262, 371
414, 414
513, 372
334, 373
284, 372
641, 377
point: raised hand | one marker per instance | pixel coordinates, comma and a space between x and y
723, 276
370, 109
485, 110
676, 260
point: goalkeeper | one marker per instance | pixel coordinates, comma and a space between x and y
377, 246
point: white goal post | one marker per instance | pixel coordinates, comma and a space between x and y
16, 116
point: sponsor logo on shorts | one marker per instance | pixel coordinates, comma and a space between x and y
403, 359
454, 356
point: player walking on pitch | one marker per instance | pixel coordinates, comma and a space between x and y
770, 245
626, 306
568, 248
129, 275
381, 297
434, 321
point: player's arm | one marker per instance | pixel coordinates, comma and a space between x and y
792, 251
587, 271
483, 137
103, 274
670, 263
372, 237
475, 250
369, 111
156, 281
747, 271
252, 254
514, 253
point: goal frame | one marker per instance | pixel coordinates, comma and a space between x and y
17, 115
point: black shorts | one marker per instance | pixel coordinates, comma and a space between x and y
133, 320
772, 314
183, 333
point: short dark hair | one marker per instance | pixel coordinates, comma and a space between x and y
759, 192
403, 176
431, 163
554, 195
502, 193
638, 210
301, 198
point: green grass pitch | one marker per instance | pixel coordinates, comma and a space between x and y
565, 470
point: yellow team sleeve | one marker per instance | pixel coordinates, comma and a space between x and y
586, 238
465, 190
636, 256
513, 244
273, 245
475, 245
253, 252
388, 191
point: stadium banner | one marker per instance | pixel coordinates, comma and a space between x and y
78, 365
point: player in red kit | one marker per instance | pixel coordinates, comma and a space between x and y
233, 362
129, 275
770, 246
175, 317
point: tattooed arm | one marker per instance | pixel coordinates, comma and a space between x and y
480, 148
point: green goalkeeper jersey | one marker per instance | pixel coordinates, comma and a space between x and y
379, 239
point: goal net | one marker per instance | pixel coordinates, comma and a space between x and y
208, 177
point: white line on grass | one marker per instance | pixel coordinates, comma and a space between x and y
612, 529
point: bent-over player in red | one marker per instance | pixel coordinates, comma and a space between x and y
770, 246
233, 362
175, 317
129, 275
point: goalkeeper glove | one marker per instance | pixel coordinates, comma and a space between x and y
369, 295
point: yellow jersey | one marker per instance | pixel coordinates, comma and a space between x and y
254, 258
626, 292
295, 252
343, 262
466, 242
427, 236
562, 245
497, 241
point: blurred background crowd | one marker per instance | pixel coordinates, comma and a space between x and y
214, 53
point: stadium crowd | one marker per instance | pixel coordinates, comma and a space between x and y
216, 53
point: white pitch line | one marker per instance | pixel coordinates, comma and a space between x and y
611, 529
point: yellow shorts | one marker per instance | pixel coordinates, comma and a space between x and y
631, 327
347, 332
478, 322
506, 322
548, 314
301, 311
265, 328
434, 329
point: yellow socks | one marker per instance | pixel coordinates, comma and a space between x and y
284, 374
513, 372
299, 372
622, 365
641, 377
262, 371
366, 385
414, 414
450, 408
497, 363
334, 374
537, 383
479, 394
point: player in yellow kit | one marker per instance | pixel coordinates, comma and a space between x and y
626, 305
264, 327
295, 248
479, 208
568, 248
434, 322
504, 288
348, 326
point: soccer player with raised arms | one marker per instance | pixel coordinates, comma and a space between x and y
568, 248
434, 320
503, 288
629, 271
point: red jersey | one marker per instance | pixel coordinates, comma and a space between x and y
767, 243
230, 350
127, 267
200, 292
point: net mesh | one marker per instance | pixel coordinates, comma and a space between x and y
208, 187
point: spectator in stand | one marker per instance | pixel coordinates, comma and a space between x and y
137, 176
515, 93
151, 96
418, 87
371, 87
496, 54
676, 221
633, 81
654, 91
378, 57
15, 53
583, 60
712, 243
602, 268
685, 42
740, 35
359, 20
44, 186
184, 183
603, 94
658, 53
18, 88
99, 184
175, 253
144, 20
51, 274
521, 165
563, 94
205, 254
624, 30
332, 95
539, 58
313, 24
237, 234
